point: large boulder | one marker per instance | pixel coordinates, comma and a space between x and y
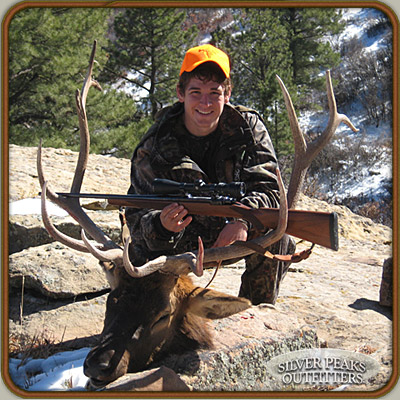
28, 230
244, 343
103, 174
64, 325
56, 271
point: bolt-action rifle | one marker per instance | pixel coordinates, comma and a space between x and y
221, 200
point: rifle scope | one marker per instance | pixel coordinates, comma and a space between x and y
235, 190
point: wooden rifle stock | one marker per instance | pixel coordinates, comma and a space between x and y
314, 226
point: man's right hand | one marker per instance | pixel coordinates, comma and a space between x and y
172, 217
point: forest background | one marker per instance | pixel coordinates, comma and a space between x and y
140, 51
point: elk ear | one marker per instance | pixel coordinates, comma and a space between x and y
208, 303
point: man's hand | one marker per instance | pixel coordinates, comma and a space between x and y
172, 218
230, 233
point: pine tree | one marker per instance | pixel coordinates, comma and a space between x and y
49, 50
48, 57
311, 54
148, 50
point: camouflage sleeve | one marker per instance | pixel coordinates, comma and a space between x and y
144, 224
259, 167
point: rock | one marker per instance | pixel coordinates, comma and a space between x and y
28, 230
386, 290
103, 174
160, 379
338, 294
351, 225
244, 343
61, 323
56, 271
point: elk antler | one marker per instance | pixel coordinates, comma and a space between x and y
305, 152
72, 205
108, 251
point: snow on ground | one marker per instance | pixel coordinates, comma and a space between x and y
62, 371
367, 182
358, 21
32, 206
370, 181
371, 185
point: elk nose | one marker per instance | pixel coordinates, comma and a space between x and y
97, 361
103, 365
104, 359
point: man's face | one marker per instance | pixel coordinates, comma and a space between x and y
204, 103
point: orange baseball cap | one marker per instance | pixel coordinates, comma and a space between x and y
201, 54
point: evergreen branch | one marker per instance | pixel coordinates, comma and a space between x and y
126, 78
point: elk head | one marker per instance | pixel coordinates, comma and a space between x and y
150, 317
155, 308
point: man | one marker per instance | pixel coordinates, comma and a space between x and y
204, 137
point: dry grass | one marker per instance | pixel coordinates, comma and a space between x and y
41, 345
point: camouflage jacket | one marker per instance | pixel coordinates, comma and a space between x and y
242, 151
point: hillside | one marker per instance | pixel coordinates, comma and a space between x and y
356, 168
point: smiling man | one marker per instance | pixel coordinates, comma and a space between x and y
203, 136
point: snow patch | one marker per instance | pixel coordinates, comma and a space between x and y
62, 371
33, 206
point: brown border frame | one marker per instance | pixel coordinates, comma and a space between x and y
197, 4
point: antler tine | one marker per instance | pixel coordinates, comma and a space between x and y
192, 261
305, 152
42, 181
112, 255
72, 205
80, 98
300, 144
54, 232
177, 265
334, 121
89, 81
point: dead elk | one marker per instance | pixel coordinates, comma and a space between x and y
155, 309
150, 317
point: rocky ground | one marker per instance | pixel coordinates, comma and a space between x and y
331, 299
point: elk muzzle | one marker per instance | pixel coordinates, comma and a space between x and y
106, 362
